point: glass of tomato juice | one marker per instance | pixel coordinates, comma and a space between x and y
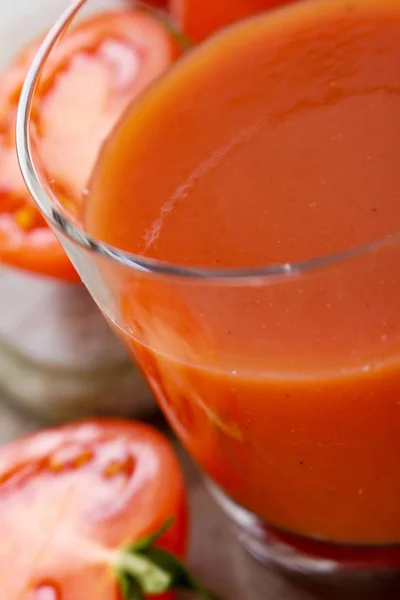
240, 232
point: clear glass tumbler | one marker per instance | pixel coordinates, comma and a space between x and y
306, 465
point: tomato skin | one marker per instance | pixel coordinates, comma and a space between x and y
157, 3
70, 493
200, 18
110, 57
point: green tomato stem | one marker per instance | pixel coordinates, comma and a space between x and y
143, 568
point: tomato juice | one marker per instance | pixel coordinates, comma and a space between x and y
276, 142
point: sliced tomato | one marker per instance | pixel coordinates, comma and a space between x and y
200, 18
97, 69
72, 497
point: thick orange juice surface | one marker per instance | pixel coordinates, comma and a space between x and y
274, 143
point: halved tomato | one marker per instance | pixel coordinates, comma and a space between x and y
200, 18
97, 69
92, 510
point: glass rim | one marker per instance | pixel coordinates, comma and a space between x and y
48, 207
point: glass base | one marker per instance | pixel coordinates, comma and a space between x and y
303, 558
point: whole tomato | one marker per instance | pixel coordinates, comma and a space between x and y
200, 18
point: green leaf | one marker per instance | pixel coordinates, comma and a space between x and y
150, 540
181, 578
144, 569
151, 578
130, 589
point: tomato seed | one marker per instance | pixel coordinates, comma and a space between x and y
113, 469
83, 459
56, 465
119, 467
70, 457
25, 217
